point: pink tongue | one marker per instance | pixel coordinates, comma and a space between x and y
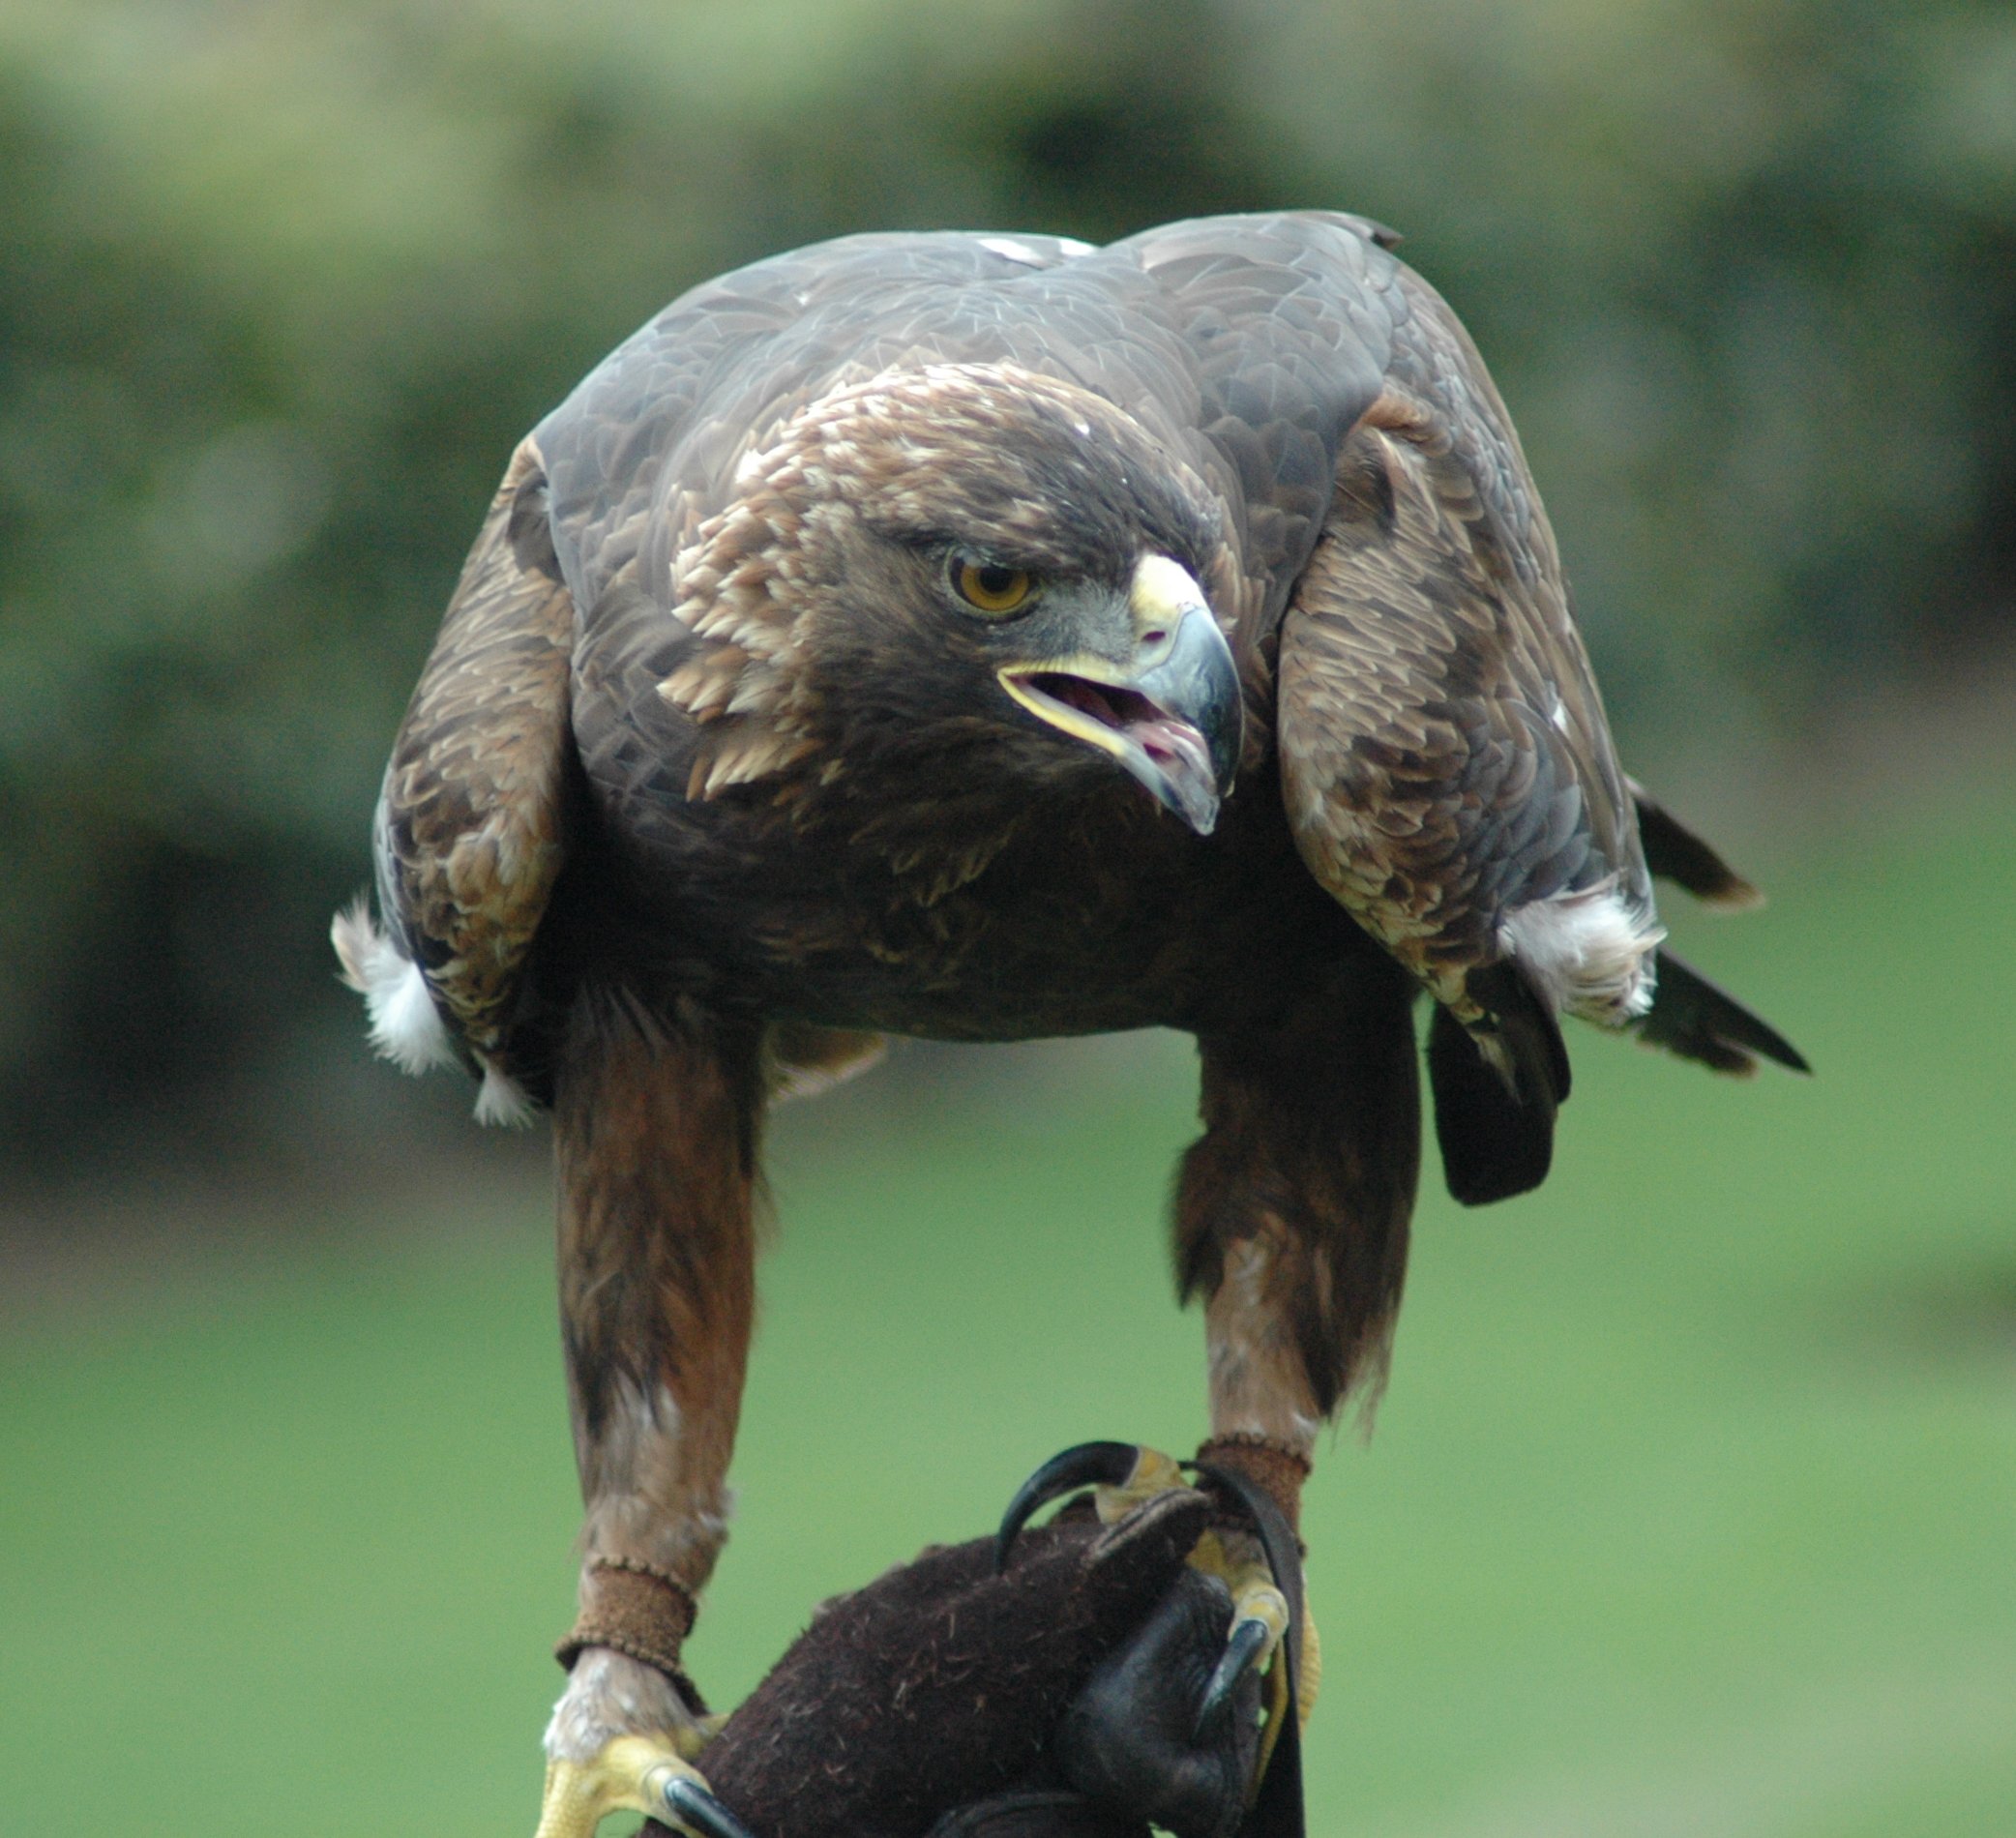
1175, 741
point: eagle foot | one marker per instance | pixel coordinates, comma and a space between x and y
1255, 1554
632, 1773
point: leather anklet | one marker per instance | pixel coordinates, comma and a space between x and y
636, 1610
1278, 1466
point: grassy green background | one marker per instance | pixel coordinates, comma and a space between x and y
1692, 1507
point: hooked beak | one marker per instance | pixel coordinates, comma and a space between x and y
1171, 714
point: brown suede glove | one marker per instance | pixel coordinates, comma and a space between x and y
1052, 1702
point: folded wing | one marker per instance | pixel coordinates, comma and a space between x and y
471, 827
1447, 767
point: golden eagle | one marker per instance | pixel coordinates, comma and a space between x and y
980, 637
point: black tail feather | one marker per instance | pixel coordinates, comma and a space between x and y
1691, 1016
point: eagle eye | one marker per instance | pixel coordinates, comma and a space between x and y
990, 588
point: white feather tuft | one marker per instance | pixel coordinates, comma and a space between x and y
1588, 953
405, 1026
503, 1101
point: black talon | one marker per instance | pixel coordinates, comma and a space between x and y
1278, 1545
698, 1811
1089, 1464
1241, 1650
1277, 1812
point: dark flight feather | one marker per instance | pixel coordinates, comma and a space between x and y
1496, 1128
1674, 853
1699, 1020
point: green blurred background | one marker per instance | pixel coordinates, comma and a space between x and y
1692, 1504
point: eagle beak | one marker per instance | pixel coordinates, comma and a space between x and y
1171, 714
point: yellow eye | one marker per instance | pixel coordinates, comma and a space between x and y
988, 588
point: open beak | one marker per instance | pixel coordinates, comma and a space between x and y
1171, 714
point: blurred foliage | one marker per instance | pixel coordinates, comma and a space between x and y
283, 283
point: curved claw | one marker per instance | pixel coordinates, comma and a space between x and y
1277, 1808
1089, 1464
690, 1807
1278, 1545
1244, 1647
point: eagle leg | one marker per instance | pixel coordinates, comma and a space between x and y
1261, 1567
654, 1126
1291, 1218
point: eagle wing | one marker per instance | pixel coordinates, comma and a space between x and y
470, 834
1447, 768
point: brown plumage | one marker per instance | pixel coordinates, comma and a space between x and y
868, 646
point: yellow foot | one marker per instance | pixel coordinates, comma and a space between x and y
1260, 1622
1259, 1609
632, 1773
1262, 1571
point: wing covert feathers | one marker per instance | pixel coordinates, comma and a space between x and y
1447, 764
1447, 767
470, 825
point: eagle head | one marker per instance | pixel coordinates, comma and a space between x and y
972, 577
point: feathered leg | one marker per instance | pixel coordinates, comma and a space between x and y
654, 1127
1292, 1220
